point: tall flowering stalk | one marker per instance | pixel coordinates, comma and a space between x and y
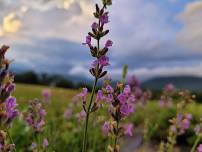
35, 119
198, 132
8, 105
101, 61
121, 103
179, 124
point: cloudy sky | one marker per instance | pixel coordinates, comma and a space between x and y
154, 37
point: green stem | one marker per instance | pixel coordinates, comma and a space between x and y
11, 139
196, 143
116, 136
84, 147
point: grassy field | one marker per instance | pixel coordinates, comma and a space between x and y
66, 135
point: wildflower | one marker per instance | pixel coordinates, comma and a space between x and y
126, 109
109, 89
102, 61
35, 116
45, 143
108, 98
181, 123
106, 128
11, 110
104, 19
94, 26
33, 146
99, 95
122, 98
128, 129
127, 90
83, 94
46, 93
199, 148
108, 44
88, 41
169, 88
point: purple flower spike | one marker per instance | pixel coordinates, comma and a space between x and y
108, 44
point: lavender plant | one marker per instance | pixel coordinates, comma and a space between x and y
35, 119
180, 123
198, 132
8, 104
98, 32
121, 103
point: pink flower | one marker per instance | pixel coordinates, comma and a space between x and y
46, 93
88, 41
109, 98
169, 88
99, 96
104, 19
108, 44
106, 128
33, 146
45, 143
127, 89
94, 26
128, 129
199, 148
122, 98
103, 61
109, 89
126, 109
83, 94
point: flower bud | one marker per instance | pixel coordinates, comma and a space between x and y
107, 2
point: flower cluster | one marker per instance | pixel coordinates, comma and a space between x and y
35, 116
141, 96
166, 98
7, 102
121, 104
97, 33
181, 123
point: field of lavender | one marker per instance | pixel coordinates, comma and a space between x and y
64, 120
113, 117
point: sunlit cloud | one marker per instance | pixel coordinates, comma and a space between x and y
11, 24
191, 34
